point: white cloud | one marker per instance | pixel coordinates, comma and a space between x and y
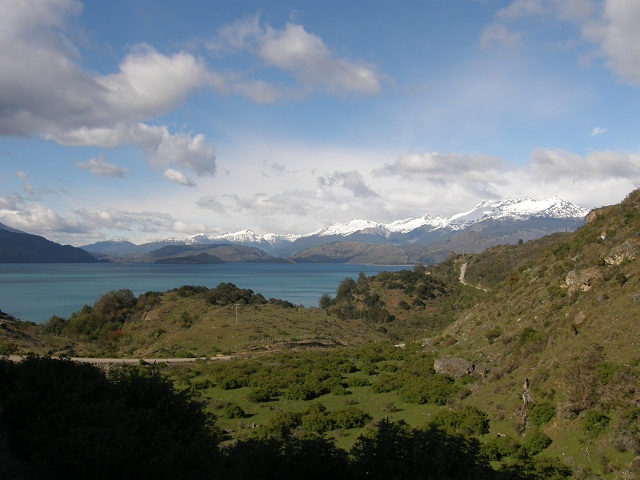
40, 220
306, 57
618, 35
9, 203
442, 168
126, 220
150, 83
162, 148
293, 50
598, 131
99, 167
44, 91
352, 181
178, 177
560, 166
610, 24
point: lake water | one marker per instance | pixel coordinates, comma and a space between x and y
35, 292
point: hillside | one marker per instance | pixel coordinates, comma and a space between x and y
20, 247
210, 254
352, 252
561, 315
530, 349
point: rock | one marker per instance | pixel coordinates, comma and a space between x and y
593, 215
453, 366
626, 251
582, 280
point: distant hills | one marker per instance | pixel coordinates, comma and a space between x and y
426, 239
20, 247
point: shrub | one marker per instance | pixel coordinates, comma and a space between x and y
349, 418
529, 335
500, 447
468, 421
262, 394
542, 413
595, 422
234, 411
536, 442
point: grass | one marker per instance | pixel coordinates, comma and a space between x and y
377, 405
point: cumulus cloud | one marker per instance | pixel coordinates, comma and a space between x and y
612, 25
99, 167
617, 34
21, 175
178, 177
150, 83
162, 148
306, 57
44, 91
9, 202
352, 181
301, 54
41, 220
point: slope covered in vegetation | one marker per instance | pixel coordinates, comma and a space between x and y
522, 357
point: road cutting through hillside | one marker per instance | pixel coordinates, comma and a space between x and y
132, 361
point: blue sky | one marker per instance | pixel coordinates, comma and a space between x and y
145, 119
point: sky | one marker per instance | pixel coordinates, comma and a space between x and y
147, 119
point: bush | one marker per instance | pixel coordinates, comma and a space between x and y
536, 442
436, 389
262, 394
468, 421
500, 447
542, 413
595, 422
234, 411
349, 418
530, 335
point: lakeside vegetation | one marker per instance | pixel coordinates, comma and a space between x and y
543, 336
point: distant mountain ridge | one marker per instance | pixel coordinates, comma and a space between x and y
20, 247
492, 221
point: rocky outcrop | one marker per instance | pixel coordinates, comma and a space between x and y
625, 251
453, 366
582, 280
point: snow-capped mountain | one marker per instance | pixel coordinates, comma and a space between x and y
516, 209
527, 218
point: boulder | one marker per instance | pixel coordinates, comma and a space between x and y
453, 366
626, 251
582, 280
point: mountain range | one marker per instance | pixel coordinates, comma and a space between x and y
426, 239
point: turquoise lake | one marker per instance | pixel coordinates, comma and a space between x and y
35, 292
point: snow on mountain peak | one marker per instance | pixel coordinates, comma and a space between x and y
409, 224
349, 228
552, 207
509, 208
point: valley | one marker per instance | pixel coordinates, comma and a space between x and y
528, 351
